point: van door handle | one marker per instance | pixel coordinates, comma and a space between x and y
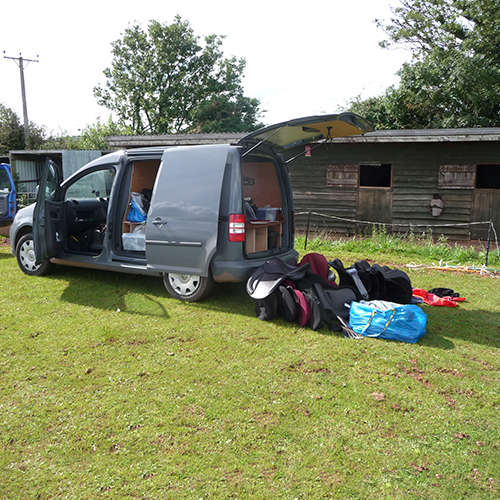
158, 222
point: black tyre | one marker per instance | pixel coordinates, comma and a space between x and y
25, 254
188, 287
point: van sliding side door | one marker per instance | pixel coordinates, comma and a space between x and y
182, 225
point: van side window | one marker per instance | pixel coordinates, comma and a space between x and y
96, 184
52, 185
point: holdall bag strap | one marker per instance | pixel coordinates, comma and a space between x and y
375, 311
359, 284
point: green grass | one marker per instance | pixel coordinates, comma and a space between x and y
408, 247
111, 389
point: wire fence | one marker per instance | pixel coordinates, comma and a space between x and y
396, 226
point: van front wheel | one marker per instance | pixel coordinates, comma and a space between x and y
188, 287
26, 259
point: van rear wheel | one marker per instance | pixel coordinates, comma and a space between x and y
188, 287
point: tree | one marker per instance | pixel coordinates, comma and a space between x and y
12, 132
222, 114
374, 109
163, 81
94, 136
427, 25
91, 136
453, 79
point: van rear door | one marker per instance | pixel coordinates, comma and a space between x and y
183, 220
293, 133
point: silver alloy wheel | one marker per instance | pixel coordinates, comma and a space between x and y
27, 256
184, 284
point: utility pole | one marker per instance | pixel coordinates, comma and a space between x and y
20, 62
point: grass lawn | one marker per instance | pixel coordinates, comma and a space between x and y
111, 389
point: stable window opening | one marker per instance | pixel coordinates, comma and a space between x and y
488, 176
375, 175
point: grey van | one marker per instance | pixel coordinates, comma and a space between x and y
194, 215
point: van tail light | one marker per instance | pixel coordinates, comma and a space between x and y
237, 227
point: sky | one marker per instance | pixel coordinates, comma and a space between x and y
303, 57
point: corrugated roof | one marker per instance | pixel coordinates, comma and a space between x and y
131, 141
427, 135
410, 135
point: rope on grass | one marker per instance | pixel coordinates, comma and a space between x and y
443, 266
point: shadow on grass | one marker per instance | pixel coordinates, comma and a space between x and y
445, 324
5, 253
108, 290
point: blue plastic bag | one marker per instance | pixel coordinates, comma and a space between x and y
137, 212
406, 323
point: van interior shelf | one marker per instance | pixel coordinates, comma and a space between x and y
263, 236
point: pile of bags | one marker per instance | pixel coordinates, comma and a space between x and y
367, 300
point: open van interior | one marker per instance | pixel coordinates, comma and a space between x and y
262, 192
142, 180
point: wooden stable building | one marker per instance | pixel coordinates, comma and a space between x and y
391, 176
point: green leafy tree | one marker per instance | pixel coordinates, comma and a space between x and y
427, 25
222, 114
94, 136
447, 90
91, 137
59, 141
164, 81
454, 77
374, 109
12, 132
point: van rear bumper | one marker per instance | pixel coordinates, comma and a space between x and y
238, 271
